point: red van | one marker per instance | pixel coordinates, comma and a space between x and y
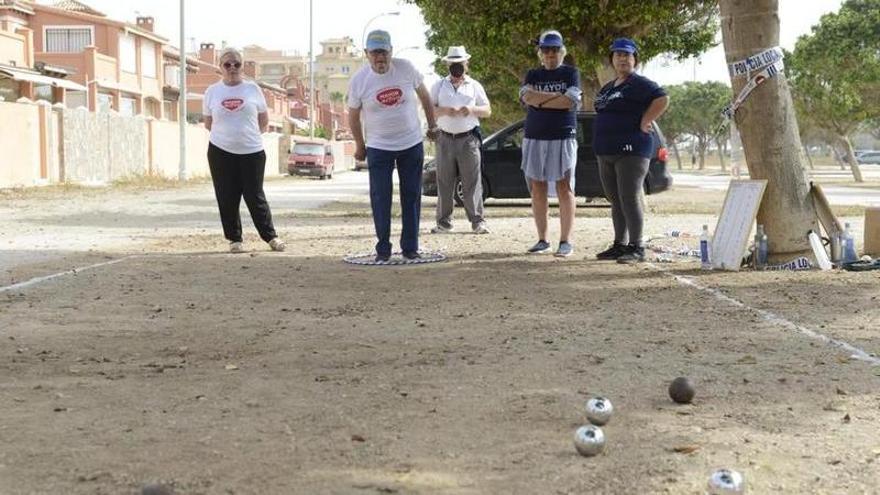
311, 158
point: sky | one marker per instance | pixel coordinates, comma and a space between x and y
285, 25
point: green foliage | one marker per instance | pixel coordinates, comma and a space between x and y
695, 109
835, 70
500, 34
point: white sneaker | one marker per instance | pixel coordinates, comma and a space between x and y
481, 228
277, 245
441, 229
236, 247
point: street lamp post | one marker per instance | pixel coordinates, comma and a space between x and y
311, 73
364, 35
182, 172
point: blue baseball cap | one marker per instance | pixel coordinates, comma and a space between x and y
624, 45
378, 40
550, 39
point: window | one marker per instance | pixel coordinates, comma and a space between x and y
345, 69
170, 110
127, 106
76, 99
9, 89
67, 39
105, 102
148, 58
43, 92
127, 53
172, 76
513, 141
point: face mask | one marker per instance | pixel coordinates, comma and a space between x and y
456, 70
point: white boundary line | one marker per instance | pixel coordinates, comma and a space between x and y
855, 352
37, 280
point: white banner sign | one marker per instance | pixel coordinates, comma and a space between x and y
768, 72
755, 62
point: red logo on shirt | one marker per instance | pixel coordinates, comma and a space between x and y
390, 96
232, 104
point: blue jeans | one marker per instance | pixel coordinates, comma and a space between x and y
409, 171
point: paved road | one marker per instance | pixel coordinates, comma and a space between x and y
837, 194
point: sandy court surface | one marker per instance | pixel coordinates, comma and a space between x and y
297, 373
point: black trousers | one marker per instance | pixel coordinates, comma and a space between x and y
235, 176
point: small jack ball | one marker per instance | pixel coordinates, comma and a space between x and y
681, 390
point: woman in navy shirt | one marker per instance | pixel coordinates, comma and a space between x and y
552, 95
626, 109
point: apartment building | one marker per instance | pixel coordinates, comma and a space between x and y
338, 61
119, 63
276, 67
21, 76
208, 73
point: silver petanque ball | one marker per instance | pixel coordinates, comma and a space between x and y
589, 440
599, 410
726, 482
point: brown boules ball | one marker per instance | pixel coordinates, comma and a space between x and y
681, 390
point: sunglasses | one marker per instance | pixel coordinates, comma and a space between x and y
229, 65
378, 53
549, 49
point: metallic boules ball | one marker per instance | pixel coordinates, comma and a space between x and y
726, 482
681, 390
589, 440
156, 489
599, 410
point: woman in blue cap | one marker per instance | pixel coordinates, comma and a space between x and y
626, 109
552, 95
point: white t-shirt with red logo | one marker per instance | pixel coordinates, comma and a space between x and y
234, 109
388, 104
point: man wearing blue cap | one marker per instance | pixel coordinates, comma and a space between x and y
622, 139
384, 93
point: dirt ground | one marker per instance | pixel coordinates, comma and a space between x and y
281, 373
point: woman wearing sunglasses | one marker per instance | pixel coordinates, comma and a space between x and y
552, 95
236, 114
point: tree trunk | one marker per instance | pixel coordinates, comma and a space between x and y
721, 155
677, 155
809, 157
851, 158
701, 148
769, 131
592, 82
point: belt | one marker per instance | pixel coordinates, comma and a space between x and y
459, 135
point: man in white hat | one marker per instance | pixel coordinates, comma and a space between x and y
459, 102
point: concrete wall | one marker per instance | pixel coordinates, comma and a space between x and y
41, 144
19, 145
100, 148
165, 149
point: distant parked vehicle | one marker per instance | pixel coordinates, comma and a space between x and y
502, 159
311, 158
869, 158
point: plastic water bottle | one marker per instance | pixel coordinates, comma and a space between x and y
761, 248
849, 245
705, 262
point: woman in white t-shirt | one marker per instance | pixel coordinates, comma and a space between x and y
236, 114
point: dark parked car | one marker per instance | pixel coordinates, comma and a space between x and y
502, 157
